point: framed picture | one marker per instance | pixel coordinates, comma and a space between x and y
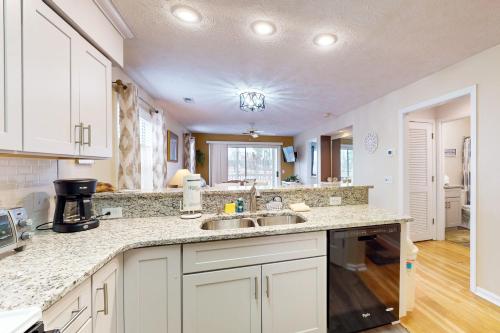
172, 146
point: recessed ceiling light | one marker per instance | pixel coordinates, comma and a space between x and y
263, 28
325, 39
186, 14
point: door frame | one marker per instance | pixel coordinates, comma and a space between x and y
470, 91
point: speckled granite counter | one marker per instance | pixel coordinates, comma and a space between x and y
167, 203
55, 263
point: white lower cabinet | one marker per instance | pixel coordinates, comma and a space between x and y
87, 327
152, 290
107, 298
276, 291
223, 301
294, 296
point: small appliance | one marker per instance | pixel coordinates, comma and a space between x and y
191, 196
74, 207
15, 229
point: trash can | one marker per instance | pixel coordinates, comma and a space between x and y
410, 265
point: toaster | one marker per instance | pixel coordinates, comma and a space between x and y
15, 229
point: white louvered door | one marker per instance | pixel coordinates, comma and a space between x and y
419, 168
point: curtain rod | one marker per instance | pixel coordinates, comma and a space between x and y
249, 143
146, 102
124, 86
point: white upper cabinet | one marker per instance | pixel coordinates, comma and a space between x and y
50, 82
95, 102
67, 88
10, 76
92, 20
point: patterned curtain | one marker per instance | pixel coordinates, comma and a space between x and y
189, 158
159, 151
129, 172
165, 167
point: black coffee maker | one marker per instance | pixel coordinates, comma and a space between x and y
74, 208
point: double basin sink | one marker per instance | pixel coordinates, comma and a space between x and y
251, 222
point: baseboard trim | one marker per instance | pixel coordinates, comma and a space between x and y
488, 295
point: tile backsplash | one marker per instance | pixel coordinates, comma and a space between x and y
27, 182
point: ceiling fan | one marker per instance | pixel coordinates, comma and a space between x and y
252, 131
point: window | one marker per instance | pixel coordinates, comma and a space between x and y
254, 162
346, 165
146, 138
314, 159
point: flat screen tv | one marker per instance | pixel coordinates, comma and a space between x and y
289, 154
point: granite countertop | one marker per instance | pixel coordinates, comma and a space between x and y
53, 264
225, 190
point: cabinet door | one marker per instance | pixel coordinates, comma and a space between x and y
86, 328
225, 301
152, 285
11, 135
294, 296
50, 86
94, 101
107, 300
453, 212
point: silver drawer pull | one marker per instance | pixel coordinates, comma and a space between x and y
268, 287
256, 288
79, 127
105, 294
76, 314
89, 131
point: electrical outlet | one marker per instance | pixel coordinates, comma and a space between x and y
335, 201
115, 212
388, 179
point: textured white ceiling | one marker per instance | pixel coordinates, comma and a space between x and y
383, 45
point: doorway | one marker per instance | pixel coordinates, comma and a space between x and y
428, 167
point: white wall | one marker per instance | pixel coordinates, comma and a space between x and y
107, 170
453, 134
381, 116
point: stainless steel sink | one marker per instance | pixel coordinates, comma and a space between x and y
279, 220
228, 224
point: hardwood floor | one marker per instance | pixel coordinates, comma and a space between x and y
443, 300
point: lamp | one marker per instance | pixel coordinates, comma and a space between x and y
252, 102
178, 178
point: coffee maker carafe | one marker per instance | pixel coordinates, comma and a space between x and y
74, 208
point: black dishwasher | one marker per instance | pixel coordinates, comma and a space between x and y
363, 277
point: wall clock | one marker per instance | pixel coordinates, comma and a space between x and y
371, 142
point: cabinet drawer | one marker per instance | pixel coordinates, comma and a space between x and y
251, 251
69, 307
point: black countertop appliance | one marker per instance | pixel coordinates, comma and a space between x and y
74, 207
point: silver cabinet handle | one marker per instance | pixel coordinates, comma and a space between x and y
79, 127
105, 295
77, 313
256, 288
89, 131
268, 287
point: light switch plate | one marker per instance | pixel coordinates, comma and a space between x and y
115, 212
335, 201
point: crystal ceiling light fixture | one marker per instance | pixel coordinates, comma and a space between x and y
324, 40
252, 101
186, 14
263, 28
